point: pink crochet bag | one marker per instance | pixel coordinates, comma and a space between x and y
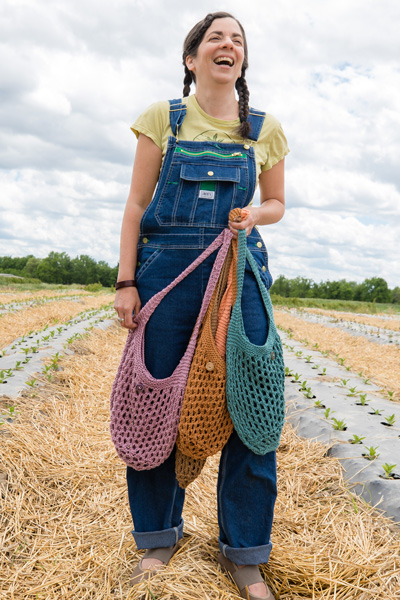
145, 411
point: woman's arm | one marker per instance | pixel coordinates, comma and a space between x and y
146, 169
272, 205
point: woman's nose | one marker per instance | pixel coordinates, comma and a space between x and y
227, 42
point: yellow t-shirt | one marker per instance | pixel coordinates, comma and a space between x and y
197, 125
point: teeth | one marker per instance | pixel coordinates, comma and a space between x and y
224, 59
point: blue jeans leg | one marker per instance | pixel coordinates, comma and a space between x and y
156, 503
246, 498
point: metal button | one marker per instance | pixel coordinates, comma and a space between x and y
139, 263
246, 146
273, 355
210, 366
263, 268
259, 244
145, 240
210, 173
139, 387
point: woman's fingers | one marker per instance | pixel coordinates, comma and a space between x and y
127, 304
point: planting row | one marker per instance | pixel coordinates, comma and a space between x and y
383, 321
24, 358
370, 332
379, 363
327, 402
37, 301
20, 323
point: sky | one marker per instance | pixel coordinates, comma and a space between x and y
74, 75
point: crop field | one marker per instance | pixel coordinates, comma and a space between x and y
65, 523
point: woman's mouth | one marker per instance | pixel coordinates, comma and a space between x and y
224, 60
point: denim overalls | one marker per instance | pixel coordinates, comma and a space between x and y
199, 183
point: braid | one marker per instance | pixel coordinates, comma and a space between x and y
186, 82
243, 93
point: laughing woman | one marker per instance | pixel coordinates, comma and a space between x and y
162, 233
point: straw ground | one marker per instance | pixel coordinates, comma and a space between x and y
65, 524
33, 295
380, 322
20, 323
380, 363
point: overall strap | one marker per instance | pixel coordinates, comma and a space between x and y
256, 120
224, 240
177, 112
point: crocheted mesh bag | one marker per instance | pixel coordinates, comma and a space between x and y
205, 425
255, 374
144, 410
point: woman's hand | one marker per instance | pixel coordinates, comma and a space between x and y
250, 220
126, 302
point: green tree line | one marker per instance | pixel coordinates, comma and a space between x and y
374, 289
58, 267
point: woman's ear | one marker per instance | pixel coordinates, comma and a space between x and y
189, 63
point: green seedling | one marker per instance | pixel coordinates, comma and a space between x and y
299, 353
59, 330
45, 338
356, 439
304, 386
35, 349
390, 394
308, 393
2, 353
363, 400
353, 391
288, 372
18, 366
339, 424
328, 412
388, 469
31, 382
348, 368
372, 452
296, 377
344, 382
316, 346
308, 358
3, 377
376, 411
27, 359
26, 351
315, 367
341, 360
367, 381
323, 372
318, 404
391, 420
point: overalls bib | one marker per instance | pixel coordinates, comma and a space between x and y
199, 183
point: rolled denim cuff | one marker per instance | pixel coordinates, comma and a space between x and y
247, 556
166, 538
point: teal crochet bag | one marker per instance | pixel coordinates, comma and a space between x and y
255, 374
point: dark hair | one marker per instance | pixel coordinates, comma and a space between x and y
190, 46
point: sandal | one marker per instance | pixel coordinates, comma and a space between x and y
244, 577
163, 554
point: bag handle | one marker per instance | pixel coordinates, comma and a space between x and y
224, 239
237, 318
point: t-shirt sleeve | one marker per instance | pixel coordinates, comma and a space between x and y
277, 147
153, 122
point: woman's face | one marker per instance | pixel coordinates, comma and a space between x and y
220, 55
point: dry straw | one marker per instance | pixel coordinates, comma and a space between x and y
391, 324
23, 321
13, 296
379, 362
65, 524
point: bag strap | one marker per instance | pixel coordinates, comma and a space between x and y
224, 239
237, 318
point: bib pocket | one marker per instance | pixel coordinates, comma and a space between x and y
201, 194
146, 257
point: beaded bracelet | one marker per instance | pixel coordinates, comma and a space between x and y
126, 283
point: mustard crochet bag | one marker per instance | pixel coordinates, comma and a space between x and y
205, 424
255, 374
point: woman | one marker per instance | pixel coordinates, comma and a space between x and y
212, 152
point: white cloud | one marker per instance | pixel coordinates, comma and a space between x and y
74, 75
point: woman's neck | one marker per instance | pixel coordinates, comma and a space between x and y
221, 104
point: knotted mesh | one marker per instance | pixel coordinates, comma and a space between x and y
255, 374
144, 410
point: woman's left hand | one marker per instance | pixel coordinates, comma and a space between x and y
248, 223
